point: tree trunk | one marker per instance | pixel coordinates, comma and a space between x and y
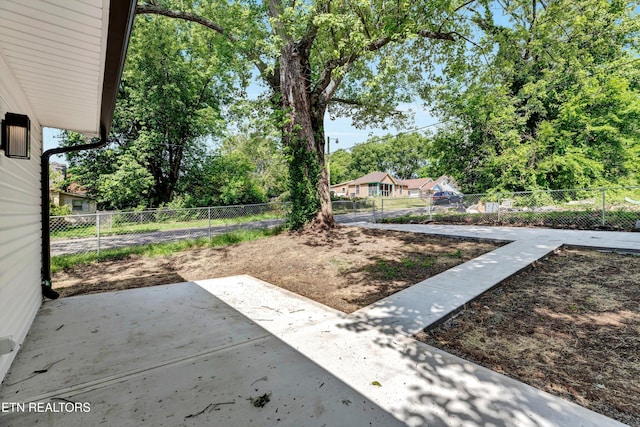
303, 134
324, 217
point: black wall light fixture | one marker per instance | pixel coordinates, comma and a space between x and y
15, 136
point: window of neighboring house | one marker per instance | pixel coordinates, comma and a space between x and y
344, 189
400, 190
80, 205
357, 189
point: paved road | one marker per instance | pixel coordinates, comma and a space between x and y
90, 244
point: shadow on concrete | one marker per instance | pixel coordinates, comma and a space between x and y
446, 390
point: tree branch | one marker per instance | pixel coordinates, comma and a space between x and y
187, 16
346, 101
437, 35
327, 86
378, 44
356, 103
463, 5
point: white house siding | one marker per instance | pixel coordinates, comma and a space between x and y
20, 225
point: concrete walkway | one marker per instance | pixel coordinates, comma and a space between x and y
429, 301
629, 241
418, 384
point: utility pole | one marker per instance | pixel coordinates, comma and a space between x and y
328, 162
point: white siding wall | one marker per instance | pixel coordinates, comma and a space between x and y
20, 226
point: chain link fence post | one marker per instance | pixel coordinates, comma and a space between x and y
373, 210
603, 207
382, 209
285, 206
209, 218
98, 231
499, 203
430, 204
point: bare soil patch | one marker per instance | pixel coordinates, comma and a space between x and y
570, 325
346, 269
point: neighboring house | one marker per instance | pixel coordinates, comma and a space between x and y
73, 196
382, 184
425, 187
80, 203
373, 184
60, 67
444, 183
417, 187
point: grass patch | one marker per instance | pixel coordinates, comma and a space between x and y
342, 265
63, 262
455, 254
386, 269
406, 267
392, 203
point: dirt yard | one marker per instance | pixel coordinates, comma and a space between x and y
347, 269
570, 325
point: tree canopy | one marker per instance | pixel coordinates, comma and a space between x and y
549, 100
175, 83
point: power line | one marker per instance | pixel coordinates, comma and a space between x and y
407, 132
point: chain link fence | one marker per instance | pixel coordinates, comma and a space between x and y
601, 208
74, 234
353, 210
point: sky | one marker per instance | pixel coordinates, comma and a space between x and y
50, 140
348, 136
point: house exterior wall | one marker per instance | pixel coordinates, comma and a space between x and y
79, 205
20, 226
387, 180
351, 191
364, 190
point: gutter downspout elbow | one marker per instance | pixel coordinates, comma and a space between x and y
47, 290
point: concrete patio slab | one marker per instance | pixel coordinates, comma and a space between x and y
168, 356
